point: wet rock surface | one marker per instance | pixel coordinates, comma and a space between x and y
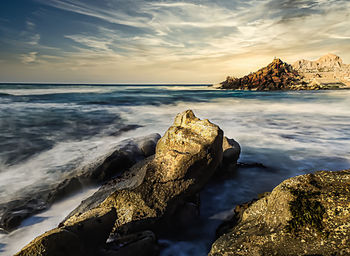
304, 215
231, 151
154, 189
121, 158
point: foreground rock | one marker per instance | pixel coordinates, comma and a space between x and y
122, 157
73, 240
304, 215
148, 197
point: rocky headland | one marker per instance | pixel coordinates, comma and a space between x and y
304, 215
328, 72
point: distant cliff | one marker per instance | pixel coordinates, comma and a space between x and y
328, 69
328, 72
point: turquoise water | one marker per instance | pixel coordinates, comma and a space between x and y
47, 130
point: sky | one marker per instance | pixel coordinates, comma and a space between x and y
135, 41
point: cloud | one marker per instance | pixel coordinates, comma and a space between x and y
29, 58
109, 12
207, 36
34, 39
30, 25
99, 44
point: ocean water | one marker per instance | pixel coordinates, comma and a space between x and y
48, 130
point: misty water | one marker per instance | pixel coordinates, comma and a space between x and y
48, 130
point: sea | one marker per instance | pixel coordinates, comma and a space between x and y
47, 130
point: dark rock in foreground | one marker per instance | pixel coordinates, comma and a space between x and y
186, 157
121, 158
304, 215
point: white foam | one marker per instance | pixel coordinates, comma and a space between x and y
60, 90
53, 165
40, 223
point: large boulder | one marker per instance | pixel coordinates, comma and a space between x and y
304, 215
144, 198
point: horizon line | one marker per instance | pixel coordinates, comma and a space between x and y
120, 84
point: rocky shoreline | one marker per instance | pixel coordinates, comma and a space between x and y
160, 193
329, 72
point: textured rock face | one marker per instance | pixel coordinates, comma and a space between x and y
327, 70
328, 62
304, 215
186, 157
188, 148
278, 75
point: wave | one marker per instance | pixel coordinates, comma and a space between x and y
40, 223
62, 90
53, 165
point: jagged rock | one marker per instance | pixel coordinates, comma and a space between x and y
121, 158
278, 75
186, 157
304, 215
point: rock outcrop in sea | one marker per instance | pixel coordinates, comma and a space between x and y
329, 72
278, 75
148, 197
304, 215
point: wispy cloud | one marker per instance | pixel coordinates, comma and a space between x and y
29, 58
108, 12
30, 25
34, 39
205, 28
